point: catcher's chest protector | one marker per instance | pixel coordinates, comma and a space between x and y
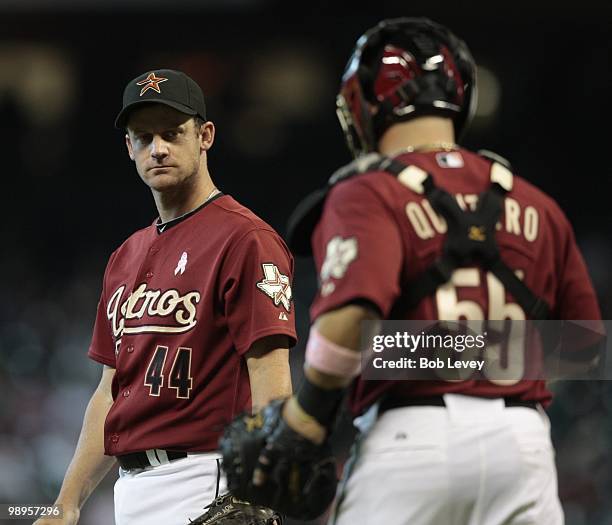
470, 234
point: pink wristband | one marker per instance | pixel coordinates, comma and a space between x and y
331, 358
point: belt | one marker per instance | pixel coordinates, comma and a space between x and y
438, 401
149, 458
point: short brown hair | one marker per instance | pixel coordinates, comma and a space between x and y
198, 123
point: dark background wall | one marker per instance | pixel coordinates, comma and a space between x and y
270, 72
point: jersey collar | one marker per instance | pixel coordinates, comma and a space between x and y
165, 226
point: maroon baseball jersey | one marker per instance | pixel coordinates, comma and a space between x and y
178, 310
375, 234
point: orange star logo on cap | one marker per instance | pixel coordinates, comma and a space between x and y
151, 82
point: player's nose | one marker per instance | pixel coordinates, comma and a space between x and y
159, 147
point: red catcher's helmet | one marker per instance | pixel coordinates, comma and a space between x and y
400, 69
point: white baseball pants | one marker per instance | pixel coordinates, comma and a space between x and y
473, 462
169, 494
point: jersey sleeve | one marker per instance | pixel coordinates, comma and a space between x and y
576, 298
576, 301
257, 294
102, 347
357, 249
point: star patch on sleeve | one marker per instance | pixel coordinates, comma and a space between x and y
339, 255
276, 286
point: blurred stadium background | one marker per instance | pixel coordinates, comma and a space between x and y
270, 71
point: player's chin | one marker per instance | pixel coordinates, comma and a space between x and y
162, 181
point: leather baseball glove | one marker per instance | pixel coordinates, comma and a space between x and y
300, 479
228, 510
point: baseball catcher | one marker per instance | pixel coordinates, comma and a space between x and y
418, 227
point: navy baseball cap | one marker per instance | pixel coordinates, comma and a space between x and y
163, 86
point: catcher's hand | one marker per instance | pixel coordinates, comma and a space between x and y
300, 476
228, 510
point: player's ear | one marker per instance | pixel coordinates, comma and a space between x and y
128, 143
207, 135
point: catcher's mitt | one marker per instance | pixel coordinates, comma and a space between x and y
228, 510
300, 475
